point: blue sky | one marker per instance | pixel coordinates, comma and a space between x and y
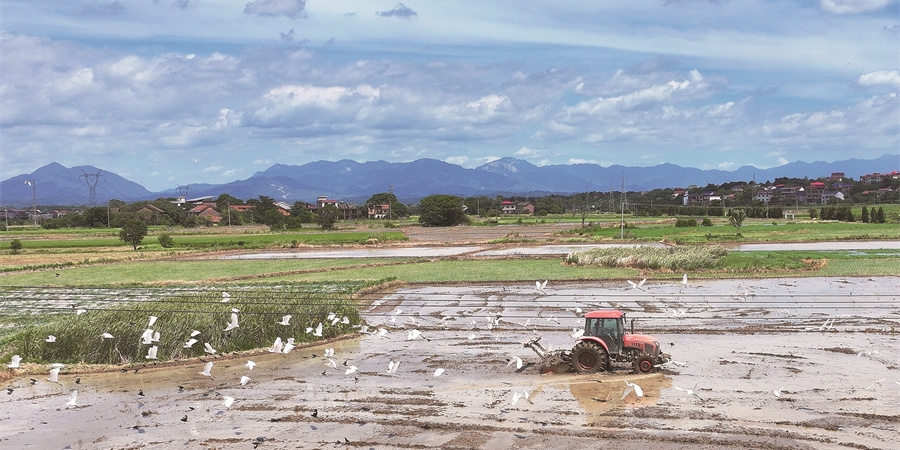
173, 92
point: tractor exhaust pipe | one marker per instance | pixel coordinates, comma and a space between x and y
632, 326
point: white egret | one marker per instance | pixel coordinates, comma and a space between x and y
392, 366
147, 337
152, 321
345, 320
335, 321
80, 312
777, 392
194, 333
209, 349
351, 369
14, 362
244, 380
684, 280
151, 352
516, 396
540, 286
190, 342
54, 375
225, 297
632, 388
330, 316
250, 365
106, 336
382, 332
51, 338
234, 322
318, 331
73, 397
331, 363
287, 348
285, 320
206, 369
228, 401
277, 346
516, 360
413, 334
438, 372
878, 382
577, 332
329, 352
472, 336
692, 390
290, 341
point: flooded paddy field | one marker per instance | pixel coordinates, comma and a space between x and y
828, 347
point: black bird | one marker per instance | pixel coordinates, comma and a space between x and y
180, 388
314, 414
141, 392
184, 419
191, 408
33, 381
78, 381
57, 275
10, 390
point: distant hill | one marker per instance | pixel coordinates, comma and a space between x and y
355, 182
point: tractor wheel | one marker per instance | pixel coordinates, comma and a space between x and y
643, 363
589, 357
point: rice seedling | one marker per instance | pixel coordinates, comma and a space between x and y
673, 258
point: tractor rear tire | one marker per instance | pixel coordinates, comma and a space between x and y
643, 363
588, 357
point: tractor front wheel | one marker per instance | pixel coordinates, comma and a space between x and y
589, 357
643, 363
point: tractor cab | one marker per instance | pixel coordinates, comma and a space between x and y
608, 326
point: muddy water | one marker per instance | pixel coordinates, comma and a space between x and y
736, 342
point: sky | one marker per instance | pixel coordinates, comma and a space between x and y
172, 92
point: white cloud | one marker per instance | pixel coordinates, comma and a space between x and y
889, 78
526, 152
853, 6
288, 8
400, 10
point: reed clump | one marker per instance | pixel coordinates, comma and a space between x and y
677, 258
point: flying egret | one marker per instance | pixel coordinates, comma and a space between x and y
692, 390
244, 380
277, 346
152, 321
331, 363
151, 352
413, 334
878, 382
106, 336
516, 396
382, 332
287, 348
194, 333
206, 369
517, 360
285, 320
80, 312
345, 320
632, 388
540, 286
54, 375
577, 332
335, 321
290, 341
438, 372
472, 336
351, 369
392, 366
228, 401
234, 322
51, 338
190, 342
632, 284
318, 331
250, 365
14, 362
777, 392
209, 349
225, 297
330, 316
73, 396
329, 352
147, 337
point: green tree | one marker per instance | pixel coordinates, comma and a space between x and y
299, 211
737, 218
398, 209
15, 246
327, 217
865, 215
166, 241
133, 232
442, 210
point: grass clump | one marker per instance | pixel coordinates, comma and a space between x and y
676, 258
179, 313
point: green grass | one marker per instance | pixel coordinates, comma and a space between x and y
180, 312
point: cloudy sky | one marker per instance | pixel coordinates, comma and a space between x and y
173, 92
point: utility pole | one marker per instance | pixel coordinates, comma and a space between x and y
34, 199
624, 197
391, 205
92, 185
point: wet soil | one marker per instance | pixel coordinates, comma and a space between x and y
735, 342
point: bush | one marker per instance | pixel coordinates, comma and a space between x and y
15, 246
166, 241
706, 222
686, 223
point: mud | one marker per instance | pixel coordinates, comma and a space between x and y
736, 343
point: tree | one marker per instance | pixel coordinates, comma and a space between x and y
299, 211
442, 210
328, 215
386, 198
737, 219
865, 215
15, 246
133, 232
166, 241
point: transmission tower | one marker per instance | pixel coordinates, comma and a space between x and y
91, 180
184, 190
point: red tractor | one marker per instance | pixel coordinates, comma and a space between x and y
603, 344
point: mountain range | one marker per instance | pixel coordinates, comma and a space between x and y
355, 182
